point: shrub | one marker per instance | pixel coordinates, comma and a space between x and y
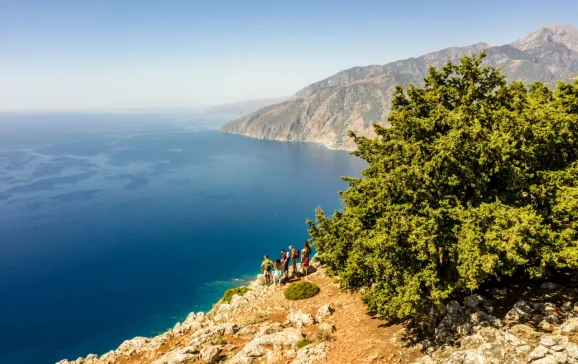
323, 335
257, 318
475, 180
301, 290
303, 343
233, 291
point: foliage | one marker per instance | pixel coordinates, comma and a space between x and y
474, 180
219, 340
301, 290
303, 343
233, 291
323, 335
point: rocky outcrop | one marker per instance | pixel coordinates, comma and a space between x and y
353, 99
536, 332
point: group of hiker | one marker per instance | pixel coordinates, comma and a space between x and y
276, 271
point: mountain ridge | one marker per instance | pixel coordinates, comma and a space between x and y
355, 98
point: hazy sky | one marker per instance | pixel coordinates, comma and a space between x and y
105, 54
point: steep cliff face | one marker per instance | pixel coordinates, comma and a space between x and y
356, 98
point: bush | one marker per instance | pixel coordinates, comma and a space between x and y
475, 180
256, 318
303, 343
301, 290
233, 291
323, 335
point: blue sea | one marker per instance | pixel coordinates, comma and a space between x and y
115, 225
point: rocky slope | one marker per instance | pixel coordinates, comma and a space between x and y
525, 323
353, 99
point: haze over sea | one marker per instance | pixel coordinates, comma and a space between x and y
115, 225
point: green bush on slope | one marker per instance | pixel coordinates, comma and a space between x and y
474, 180
301, 290
233, 291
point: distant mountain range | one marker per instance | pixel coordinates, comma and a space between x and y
353, 99
243, 107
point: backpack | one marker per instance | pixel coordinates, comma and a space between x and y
269, 267
295, 253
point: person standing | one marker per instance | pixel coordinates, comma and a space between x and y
294, 256
305, 253
278, 275
285, 260
267, 268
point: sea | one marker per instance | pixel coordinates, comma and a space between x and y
119, 224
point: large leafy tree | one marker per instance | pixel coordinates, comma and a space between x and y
474, 180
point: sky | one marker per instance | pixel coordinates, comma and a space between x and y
113, 54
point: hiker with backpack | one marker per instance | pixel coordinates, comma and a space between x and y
285, 260
294, 256
305, 253
278, 274
267, 269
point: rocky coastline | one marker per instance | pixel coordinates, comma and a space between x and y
513, 324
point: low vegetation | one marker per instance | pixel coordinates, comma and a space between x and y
257, 318
233, 291
323, 335
303, 343
301, 290
476, 180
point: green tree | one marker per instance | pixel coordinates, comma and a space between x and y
475, 179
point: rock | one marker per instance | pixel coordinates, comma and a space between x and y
248, 330
129, 347
191, 325
287, 337
549, 286
513, 339
572, 350
202, 336
500, 292
546, 326
464, 329
324, 312
557, 348
177, 329
311, 354
472, 341
223, 307
560, 357
210, 353
327, 327
300, 319
230, 328
570, 325
552, 319
538, 353
567, 306
523, 305
238, 301
179, 356
516, 314
290, 354
549, 307
472, 301
269, 328
274, 357
547, 360
548, 341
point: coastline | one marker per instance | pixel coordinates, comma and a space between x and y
324, 144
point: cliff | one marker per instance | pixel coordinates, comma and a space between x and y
356, 98
527, 322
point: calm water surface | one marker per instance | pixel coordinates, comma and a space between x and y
115, 225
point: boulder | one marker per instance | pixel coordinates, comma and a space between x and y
472, 301
327, 327
129, 347
549, 286
204, 335
300, 319
570, 325
238, 301
269, 328
179, 356
210, 353
311, 354
324, 312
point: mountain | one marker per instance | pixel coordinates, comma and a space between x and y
243, 107
354, 99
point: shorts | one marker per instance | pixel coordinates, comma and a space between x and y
278, 273
306, 261
286, 267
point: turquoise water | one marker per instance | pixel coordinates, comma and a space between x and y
115, 225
